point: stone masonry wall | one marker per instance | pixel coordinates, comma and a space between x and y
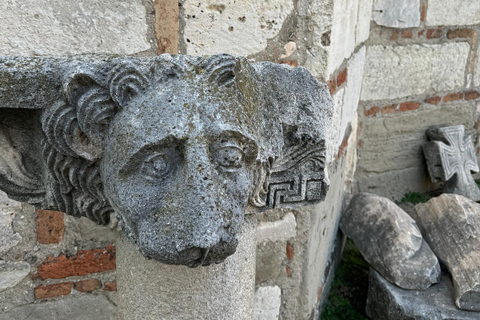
54, 263
50, 261
422, 69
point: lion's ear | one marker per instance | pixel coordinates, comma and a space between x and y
127, 83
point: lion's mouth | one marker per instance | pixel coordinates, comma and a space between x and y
200, 261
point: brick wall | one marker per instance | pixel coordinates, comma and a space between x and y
55, 258
418, 73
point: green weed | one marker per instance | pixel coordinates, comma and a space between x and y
415, 197
348, 295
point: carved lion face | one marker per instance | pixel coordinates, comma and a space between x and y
178, 168
178, 147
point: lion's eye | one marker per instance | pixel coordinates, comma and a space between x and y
229, 157
155, 166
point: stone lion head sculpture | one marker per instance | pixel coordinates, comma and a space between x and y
177, 147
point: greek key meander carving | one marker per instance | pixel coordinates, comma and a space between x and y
176, 146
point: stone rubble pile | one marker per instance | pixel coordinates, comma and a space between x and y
404, 251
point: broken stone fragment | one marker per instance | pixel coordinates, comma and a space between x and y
388, 302
450, 224
390, 241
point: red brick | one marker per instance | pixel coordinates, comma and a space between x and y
389, 109
52, 290
289, 251
407, 34
472, 95
287, 269
319, 293
110, 286
433, 100
372, 111
88, 285
409, 105
292, 63
434, 33
166, 25
460, 33
394, 35
424, 13
342, 147
50, 226
420, 33
80, 264
453, 97
342, 77
332, 86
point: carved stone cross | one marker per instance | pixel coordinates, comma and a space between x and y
451, 159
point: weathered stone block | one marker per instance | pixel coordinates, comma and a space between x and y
338, 28
363, 23
239, 28
399, 71
450, 223
451, 159
397, 14
180, 174
453, 12
86, 307
318, 262
8, 210
279, 230
267, 303
390, 241
350, 19
388, 302
12, 273
346, 100
59, 27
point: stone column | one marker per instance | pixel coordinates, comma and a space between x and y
150, 290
